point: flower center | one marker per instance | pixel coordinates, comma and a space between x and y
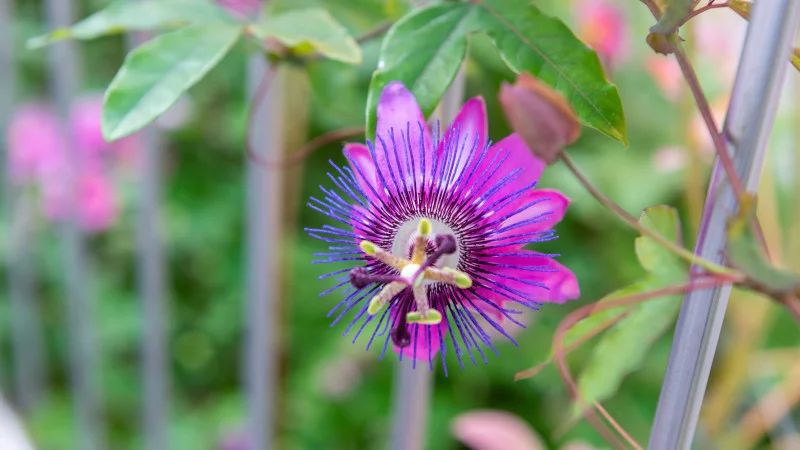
409, 289
406, 236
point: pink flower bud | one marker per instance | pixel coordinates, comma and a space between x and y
540, 115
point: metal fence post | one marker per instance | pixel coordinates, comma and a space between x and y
26, 329
150, 278
754, 100
83, 354
263, 238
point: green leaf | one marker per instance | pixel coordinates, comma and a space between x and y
311, 29
624, 347
126, 15
652, 256
424, 51
534, 42
155, 74
745, 254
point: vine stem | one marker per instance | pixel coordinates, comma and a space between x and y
633, 222
703, 9
559, 351
720, 144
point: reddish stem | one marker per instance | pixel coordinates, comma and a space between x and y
703, 9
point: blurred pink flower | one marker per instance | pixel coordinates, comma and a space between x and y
32, 138
719, 38
604, 27
489, 429
38, 155
666, 73
495, 430
97, 201
85, 118
241, 7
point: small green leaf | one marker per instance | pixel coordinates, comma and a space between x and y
311, 28
424, 51
652, 256
126, 15
155, 74
543, 46
745, 254
623, 348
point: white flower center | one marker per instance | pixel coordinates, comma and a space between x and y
408, 232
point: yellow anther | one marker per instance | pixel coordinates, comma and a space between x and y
368, 247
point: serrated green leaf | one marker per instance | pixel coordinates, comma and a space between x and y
424, 51
312, 28
652, 256
155, 74
533, 42
623, 348
125, 15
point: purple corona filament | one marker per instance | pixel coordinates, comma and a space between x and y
437, 225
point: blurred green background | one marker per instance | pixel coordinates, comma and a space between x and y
333, 395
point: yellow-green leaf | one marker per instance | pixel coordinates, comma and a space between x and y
311, 28
126, 15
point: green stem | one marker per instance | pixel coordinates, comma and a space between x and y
634, 223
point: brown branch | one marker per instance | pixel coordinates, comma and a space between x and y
703, 9
705, 111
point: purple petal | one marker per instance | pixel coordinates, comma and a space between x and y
363, 167
539, 210
519, 156
426, 340
401, 125
470, 128
515, 272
